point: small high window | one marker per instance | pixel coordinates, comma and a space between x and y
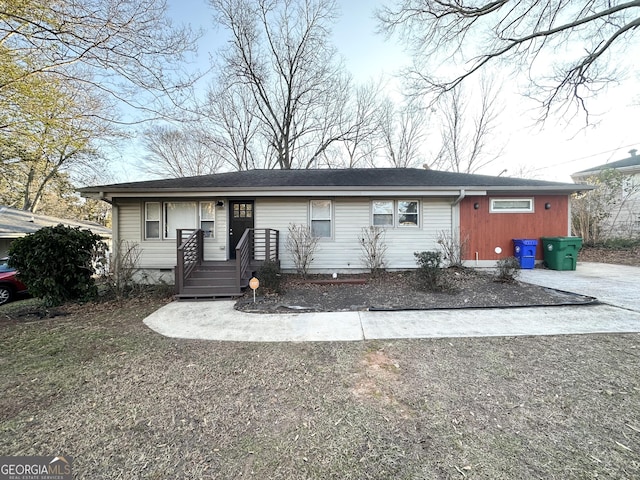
511, 205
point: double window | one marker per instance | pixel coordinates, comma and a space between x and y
167, 217
391, 213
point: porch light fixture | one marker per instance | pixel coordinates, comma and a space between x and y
476, 206
219, 204
547, 206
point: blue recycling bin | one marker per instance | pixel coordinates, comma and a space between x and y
524, 249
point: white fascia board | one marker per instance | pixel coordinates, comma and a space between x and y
236, 193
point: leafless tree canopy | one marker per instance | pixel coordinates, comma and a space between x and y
467, 129
174, 152
281, 69
401, 133
584, 42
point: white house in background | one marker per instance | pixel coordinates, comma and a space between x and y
625, 215
16, 223
239, 218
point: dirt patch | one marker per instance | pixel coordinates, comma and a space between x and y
465, 288
629, 256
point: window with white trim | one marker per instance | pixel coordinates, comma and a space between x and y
511, 205
179, 215
382, 212
208, 219
407, 213
321, 216
167, 217
152, 220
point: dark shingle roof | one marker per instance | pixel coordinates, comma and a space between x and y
341, 179
632, 161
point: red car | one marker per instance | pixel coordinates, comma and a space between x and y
10, 286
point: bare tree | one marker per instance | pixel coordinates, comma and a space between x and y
280, 57
527, 34
358, 148
401, 133
231, 127
467, 128
177, 153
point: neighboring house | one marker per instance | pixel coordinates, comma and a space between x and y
415, 206
16, 223
624, 215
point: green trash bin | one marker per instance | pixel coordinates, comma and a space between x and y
561, 253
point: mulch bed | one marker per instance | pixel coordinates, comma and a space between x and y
464, 288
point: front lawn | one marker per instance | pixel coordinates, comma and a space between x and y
94, 383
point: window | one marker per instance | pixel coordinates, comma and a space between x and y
511, 205
168, 217
383, 213
321, 218
243, 210
152, 220
208, 218
178, 215
390, 213
407, 213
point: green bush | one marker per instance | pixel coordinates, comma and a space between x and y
270, 277
429, 272
56, 263
507, 269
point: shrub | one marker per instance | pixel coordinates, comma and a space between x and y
269, 276
429, 272
122, 270
453, 247
373, 248
56, 263
507, 269
301, 244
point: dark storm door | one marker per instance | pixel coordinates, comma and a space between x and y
240, 218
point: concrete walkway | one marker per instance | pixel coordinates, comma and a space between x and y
618, 285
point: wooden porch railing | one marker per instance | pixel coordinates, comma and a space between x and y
256, 244
190, 254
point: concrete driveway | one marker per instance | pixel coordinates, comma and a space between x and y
616, 286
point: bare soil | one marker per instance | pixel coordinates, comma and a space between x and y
461, 288
96, 384
629, 256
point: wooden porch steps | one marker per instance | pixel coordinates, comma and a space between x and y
213, 280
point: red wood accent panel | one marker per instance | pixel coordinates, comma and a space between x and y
486, 230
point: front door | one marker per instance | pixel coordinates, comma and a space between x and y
240, 218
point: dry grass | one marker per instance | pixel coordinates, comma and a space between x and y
94, 383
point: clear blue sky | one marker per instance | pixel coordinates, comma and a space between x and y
552, 152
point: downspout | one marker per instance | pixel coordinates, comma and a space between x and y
460, 198
455, 217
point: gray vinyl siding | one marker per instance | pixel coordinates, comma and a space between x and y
342, 252
339, 253
161, 253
